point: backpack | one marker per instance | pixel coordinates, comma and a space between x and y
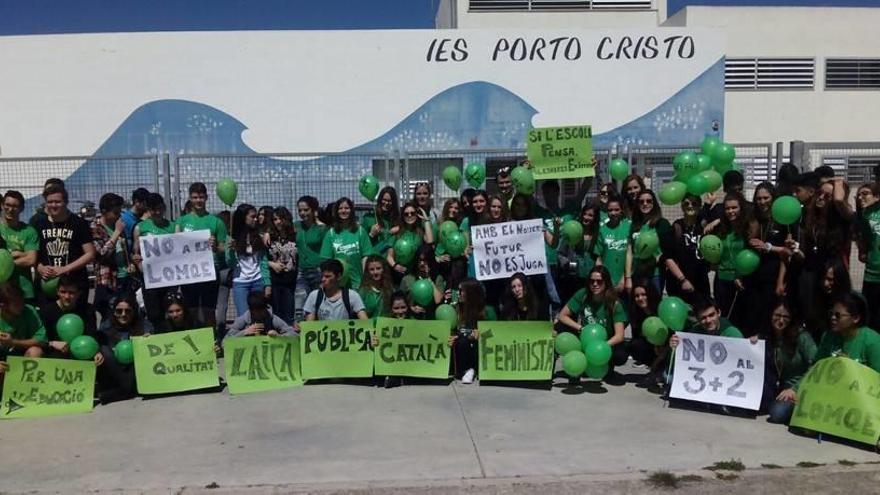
346, 301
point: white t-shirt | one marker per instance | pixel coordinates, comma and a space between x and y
334, 309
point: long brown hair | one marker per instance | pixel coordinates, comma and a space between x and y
385, 287
609, 297
473, 308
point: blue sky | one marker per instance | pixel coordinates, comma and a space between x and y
71, 16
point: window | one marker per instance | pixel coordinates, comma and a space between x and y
769, 73
562, 5
852, 73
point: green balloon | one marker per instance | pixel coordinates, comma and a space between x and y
422, 291
572, 232
646, 245
69, 327
404, 250
724, 168
708, 144
672, 192
452, 177
619, 169
368, 186
447, 313
685, 165
598, 352
227, 191
523, 180
704, 162
574, 363
786, 210
567, 342
723, 155
455, 244
654, 330
746, 262
124, 352
597, 371
591, 332
475, 174
447, 228
490, 313
7, 265
50, 287
673, 311
83, 347
697, 185
713, 179
710, 248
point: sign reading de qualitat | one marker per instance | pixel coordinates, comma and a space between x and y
561, 152
46, 387
516, 350
261, 363
175, 362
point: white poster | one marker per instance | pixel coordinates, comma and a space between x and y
502, 249
177, 259
719, 370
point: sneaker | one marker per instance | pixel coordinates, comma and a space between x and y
468, 377
392, 381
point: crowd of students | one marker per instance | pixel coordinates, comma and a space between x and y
330, 264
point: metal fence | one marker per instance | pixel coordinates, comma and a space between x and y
855, 161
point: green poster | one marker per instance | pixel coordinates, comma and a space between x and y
561, 152
516, 350
175, 362
418, 348
840, 397
46, 387
336, 349
259, 363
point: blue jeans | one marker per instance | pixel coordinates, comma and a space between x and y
283, 302
780, 412
240, 291
307, 280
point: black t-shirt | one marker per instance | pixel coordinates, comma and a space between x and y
775, 234
50, 313
686, 252
61, 243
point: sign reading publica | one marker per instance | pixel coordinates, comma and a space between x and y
502, 249
560, 152
840, 397
418, 348
336, 349
177, 259
175, 362
260, 363
516, 350
719, 370
46, 387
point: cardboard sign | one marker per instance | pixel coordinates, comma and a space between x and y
561, 152
175, 362
418, 348
46, 387
719, 370
841, 397
336, 349
260, 363
502, 249
516, 350
177, 259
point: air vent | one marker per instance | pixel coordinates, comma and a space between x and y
852, 73
769, 73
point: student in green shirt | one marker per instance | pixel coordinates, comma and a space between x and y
153, 223
415, 227
203, 297
736, 228
426, 267
611, 247
647, 218
381, 223
21, 331
376, 288
22, 242
868, 203
791, 351
347, 241
310, 234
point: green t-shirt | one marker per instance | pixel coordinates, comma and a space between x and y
863, 347
589, 311
566, 213
119, 257
793, 366
192, 222
24, 239
869, 227
374, 303
149, 227
350, 247
611, 248
26, 326
731, 245
308, 244
384, 239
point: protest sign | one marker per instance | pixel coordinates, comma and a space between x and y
336, 349
260, 363
840, 397
502, 249
46, 387
177, 259
561, 152
175, 362
418, 348
719, 370
516, 350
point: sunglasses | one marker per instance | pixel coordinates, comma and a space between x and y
409, 213
122, 311
646, 201
596, 282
